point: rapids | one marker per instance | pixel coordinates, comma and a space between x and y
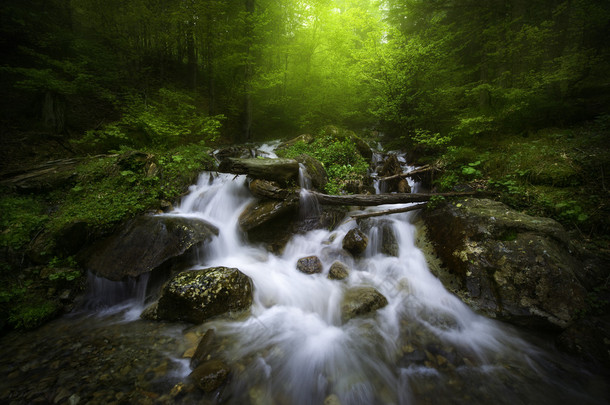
424, 347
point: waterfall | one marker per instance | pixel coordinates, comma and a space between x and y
294, 345
308, 204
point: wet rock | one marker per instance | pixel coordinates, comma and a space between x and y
264, 211
391, 166
211, 375
588, 338
338, 271
509, 265
236, 151
196, 295
271, 189
280, 170
204, 348
355, 241
388, 244
403, 186
315, 171
361, 301
309, 265
146, 244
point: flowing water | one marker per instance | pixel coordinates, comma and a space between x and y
424, 347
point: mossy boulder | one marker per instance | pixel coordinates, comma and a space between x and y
145, 244
315, 171
360, 301
197, 295
211, 375
280, 170
338, 271
508, 265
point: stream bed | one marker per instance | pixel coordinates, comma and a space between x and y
294, 345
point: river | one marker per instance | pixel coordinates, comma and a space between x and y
424, 347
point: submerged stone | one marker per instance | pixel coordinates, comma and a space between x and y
210, 376
196, 295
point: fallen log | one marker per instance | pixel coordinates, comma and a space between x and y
389, 212
422, 169
381, 199
280, 170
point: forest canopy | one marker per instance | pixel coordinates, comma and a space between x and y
128, 73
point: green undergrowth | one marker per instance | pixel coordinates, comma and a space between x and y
339, 155
104, 191
558, 173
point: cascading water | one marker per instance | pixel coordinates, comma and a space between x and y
295, 347
424, 346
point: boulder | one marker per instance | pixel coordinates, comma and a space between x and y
385, 233
506, 264
145, 244
196, 295
361, 301
211, 375
280, 170
309, 265
315, 171
338, 271
263, 211
355, 241
270, 189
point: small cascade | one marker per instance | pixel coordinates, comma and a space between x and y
308, 205
294, 346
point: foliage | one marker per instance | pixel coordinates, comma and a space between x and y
22, 217
170, 119
31, 314
339, 156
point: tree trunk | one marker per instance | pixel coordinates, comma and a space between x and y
381, 199
388, 212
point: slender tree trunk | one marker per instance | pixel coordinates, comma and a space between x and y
247, 112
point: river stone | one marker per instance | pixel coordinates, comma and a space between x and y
280, 170
204, 348
145, 244
309, 265
506, 264
361, 301
210, 375
196, 295
338, 271
355, 241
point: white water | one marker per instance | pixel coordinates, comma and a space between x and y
294, 347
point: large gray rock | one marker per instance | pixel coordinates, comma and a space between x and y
360, 301
145, 244
196, 295
506, 264
280, 170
